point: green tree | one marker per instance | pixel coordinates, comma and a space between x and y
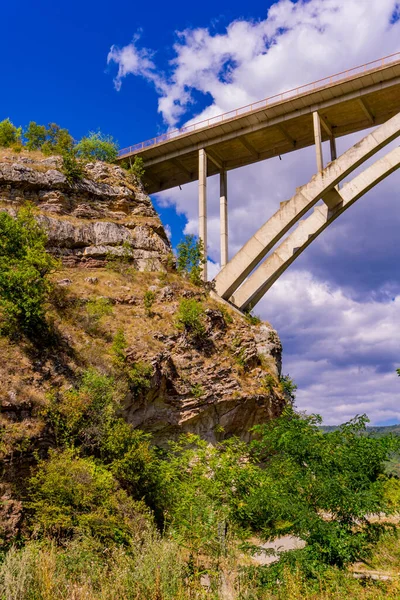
72, 495
97, 146
24, 269
309, 475
191, 258
136, 168
9, 134
58, 140
35, 136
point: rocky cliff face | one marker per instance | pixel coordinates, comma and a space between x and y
106, 214
214, 386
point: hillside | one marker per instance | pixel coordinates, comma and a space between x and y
148, 443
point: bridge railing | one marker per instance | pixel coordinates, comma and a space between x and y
254, 106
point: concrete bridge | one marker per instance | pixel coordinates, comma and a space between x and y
354, 100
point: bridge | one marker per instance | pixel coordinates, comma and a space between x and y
353, 100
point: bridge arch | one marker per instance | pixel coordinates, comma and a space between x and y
322, 185
260, 281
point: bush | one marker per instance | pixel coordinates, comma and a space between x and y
190, 317
97, 146
136, 168
71, 495
9, 134
148, 302
191, 258
72, 168
288, 387
24, 269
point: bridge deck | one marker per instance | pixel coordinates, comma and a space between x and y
347, 102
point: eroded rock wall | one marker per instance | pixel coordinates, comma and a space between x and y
105, 214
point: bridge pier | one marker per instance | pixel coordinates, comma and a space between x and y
318, 141
203, 206
223, 205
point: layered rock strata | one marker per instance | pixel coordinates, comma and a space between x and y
105, 214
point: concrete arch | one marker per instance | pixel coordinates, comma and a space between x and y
272, 268
322, 185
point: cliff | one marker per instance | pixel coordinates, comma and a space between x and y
216, 386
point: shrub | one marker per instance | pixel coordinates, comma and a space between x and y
72, 168
97, 146
71, 495
96, 309
139, 376
24, 269
136, 168
81, 415
9, 134
148, 301
197, 390
118, 349
288, 387
190, 317
191, 258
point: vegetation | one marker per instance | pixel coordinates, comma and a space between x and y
9, 134
190, 317
97, 146
191, 258
53, 139
24, 269
136, 169
148, 301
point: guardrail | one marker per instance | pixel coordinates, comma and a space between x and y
254, 106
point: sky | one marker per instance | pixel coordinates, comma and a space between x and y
134, 70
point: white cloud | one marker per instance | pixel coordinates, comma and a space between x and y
339, 327
296, 43
342, 353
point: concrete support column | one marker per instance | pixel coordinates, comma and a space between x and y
333, 148
318, 141
223, 212
203, 206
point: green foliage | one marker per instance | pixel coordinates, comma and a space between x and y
24, 269
72, 167
311, 474
197, 390
118, 349
191, 258
9, 134
97, 146
82, 415
96, 310
139, 376
148, 302
35, 135
71, 495
58, 141
190, 317
288, 387
269, 383
252, 319
136, 168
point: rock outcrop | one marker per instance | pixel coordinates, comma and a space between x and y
105, 214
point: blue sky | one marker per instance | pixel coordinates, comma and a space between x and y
169, 63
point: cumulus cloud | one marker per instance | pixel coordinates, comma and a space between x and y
337, 308
297, 42
132, 60
342, 353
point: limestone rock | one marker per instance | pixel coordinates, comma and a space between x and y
105, 214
